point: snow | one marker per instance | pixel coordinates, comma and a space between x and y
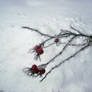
49, 16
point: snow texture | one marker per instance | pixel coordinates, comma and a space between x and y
49, 16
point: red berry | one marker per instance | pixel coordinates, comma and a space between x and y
37, 47
40, 51
57, 40
42, 71
35, 68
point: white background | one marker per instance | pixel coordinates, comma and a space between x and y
49, 16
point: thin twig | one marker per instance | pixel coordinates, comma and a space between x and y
75, 29
49, 45
61, 50
60, 53
63, 34
70, 57
72, 44
42, 34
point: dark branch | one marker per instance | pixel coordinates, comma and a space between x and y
60, 53
75, 29
42, 34
70, 57
63, 34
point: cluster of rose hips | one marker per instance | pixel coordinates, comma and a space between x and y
35, 70
38, 49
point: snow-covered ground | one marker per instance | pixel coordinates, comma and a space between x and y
48, 16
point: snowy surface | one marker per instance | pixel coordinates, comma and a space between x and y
48, 16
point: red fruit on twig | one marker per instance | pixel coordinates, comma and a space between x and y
42, 71
56, 40
35, 68
38, 50
37, 47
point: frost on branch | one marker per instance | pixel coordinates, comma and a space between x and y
70, 36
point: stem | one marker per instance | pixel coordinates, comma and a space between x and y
32, 29
52, 60
70, 57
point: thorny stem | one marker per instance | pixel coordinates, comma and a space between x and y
70, 57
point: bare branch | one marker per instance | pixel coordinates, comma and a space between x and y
75, 29
63, 34
71, 44
60, 53
70, 57
42, 34
61, 50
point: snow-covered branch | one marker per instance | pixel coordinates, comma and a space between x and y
40, 70
68, 58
